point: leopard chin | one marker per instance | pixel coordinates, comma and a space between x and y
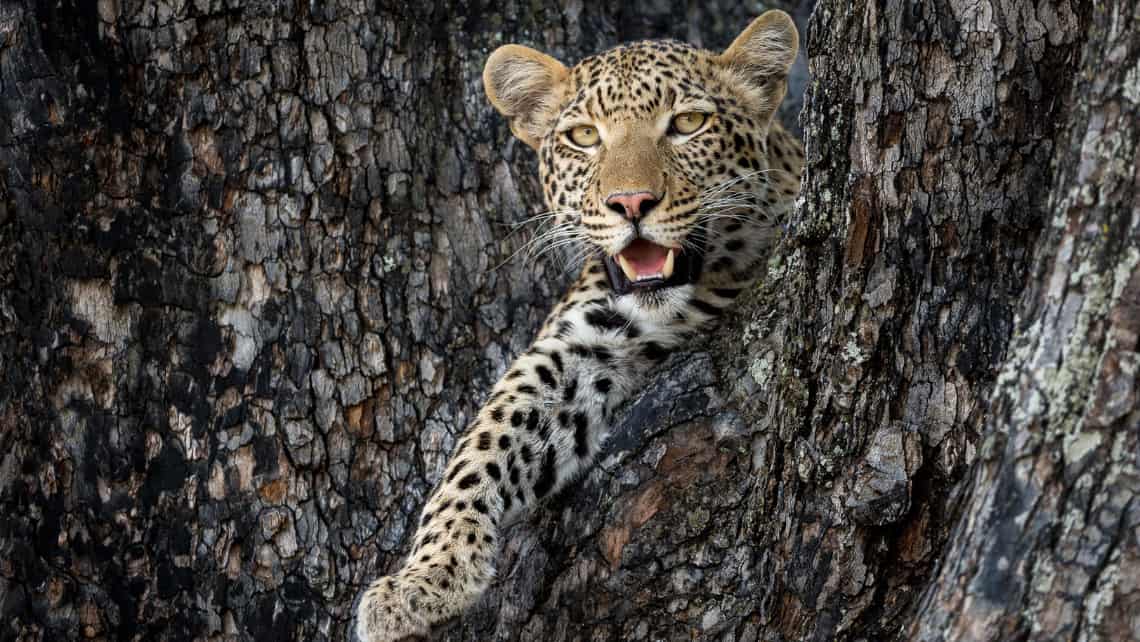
656, 306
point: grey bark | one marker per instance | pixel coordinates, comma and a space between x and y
255, 281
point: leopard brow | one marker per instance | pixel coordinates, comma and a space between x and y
573, 111
591, 105
699, 105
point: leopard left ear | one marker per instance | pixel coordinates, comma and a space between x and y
766, 49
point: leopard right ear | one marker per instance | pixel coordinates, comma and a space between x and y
527, 87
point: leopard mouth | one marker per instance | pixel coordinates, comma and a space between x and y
645, 265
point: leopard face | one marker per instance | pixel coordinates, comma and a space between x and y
659, 156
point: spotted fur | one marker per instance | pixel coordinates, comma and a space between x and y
725, 191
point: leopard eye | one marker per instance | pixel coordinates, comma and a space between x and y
584, 135
688, 122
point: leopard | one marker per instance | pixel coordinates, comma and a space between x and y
665, 165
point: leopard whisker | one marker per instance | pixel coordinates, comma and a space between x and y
554, 235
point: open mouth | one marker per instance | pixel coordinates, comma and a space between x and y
645, 265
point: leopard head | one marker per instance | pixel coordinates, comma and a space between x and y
655, 155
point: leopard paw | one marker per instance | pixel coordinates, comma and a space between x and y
387, 611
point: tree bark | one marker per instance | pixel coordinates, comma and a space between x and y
257, 275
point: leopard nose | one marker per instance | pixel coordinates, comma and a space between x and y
632, 205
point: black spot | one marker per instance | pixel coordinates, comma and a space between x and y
506, 497
460, 507
545, 375
513, 374
468, 481
493, 471
514, 476
484, 442
570, 391
455, 471
425, 519
480, 506
526, 455
547, 476
527, 389
706, 307
632, 331
603, 385
532, 420
726, 293
734, 245
604, 319
581, 433
497, 413
654, 352
721, 264
470, 538
557, 359
603, 354
504, 442
516, 418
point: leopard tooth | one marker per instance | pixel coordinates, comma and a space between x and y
667, 269
627, 268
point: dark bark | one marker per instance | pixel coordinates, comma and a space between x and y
252, 291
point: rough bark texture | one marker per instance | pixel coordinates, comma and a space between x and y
255, 280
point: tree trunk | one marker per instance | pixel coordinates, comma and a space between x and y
257, 275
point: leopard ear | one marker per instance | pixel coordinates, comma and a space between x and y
527, 87
765, 50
